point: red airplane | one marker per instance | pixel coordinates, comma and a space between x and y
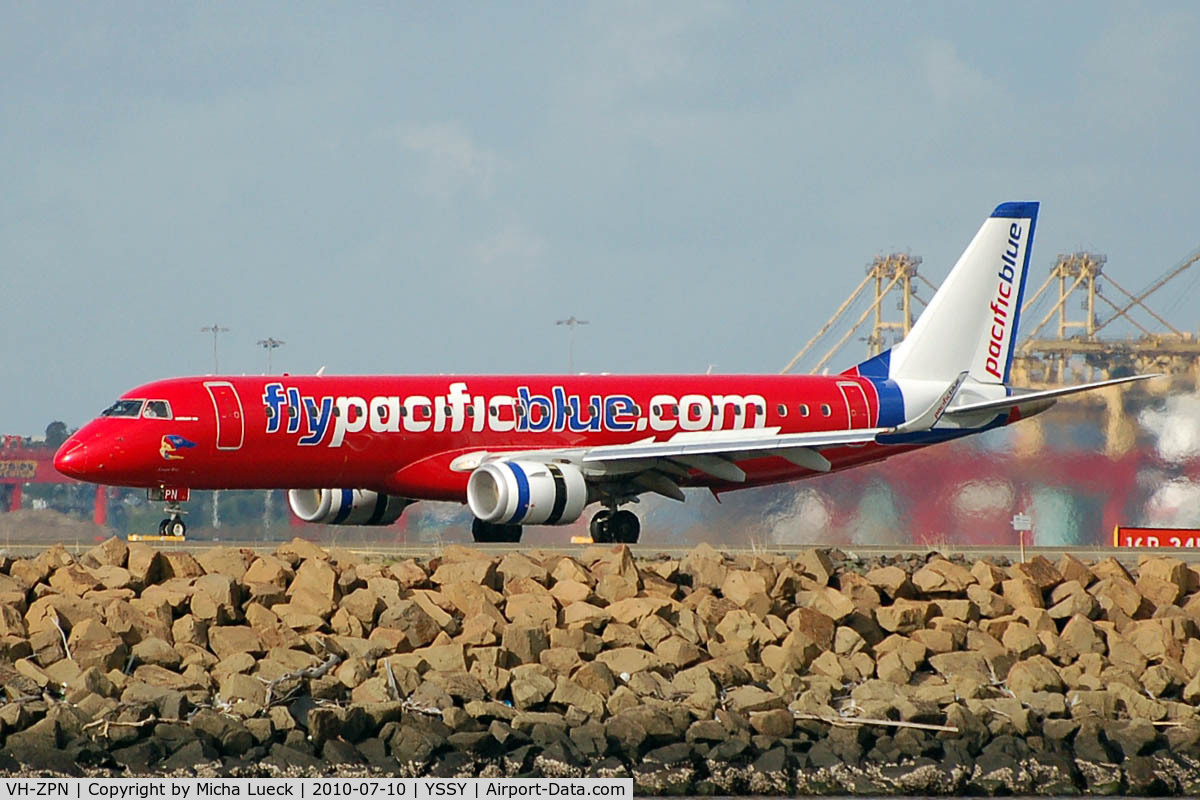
536, 450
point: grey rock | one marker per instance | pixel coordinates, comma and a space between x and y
560, 760
191, 755
1132, 737
339, 751
1090, 744
771, 773
453, 765
656, 779
1143, 778
677, 753
480, 744
139, 758
590, 738
374, 752
286, 758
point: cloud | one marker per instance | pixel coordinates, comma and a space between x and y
453, 163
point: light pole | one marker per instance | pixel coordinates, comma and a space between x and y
269, 344
571, 324
215, 330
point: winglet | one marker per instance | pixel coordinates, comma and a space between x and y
927, 419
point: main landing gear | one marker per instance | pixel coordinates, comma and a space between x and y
490, 532
613, 526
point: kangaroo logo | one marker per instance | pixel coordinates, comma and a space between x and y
171, 444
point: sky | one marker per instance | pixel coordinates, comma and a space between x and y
428, 188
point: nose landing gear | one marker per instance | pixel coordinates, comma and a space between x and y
173, 525
174, 498
613, 526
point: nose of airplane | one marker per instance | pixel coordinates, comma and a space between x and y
72, 459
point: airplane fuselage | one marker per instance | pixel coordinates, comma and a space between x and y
400, 435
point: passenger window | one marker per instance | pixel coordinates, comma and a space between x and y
804, 409
470, 411
270, 412
825, 410
403, 411
782, 410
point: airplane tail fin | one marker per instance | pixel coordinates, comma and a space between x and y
970, 325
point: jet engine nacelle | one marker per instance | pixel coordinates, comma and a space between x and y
527, 493
346, 506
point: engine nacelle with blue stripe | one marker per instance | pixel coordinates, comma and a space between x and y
346, 506
527, 493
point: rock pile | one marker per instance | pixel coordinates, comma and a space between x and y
765, 674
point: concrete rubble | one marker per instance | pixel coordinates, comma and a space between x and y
811, 673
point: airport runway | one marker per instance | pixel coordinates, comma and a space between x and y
653, 551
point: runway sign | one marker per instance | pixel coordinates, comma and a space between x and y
1125, 536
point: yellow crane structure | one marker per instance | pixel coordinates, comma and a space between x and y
1078, 352
891, 274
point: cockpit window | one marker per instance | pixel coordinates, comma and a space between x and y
157, 409
124, 408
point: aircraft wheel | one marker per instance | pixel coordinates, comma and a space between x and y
162, 527
175, 527
599, 528
624, 527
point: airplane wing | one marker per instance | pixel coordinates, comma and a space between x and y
658, 466
705, 443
